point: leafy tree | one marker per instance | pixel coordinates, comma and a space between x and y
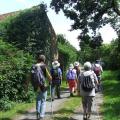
67, 53
90, 15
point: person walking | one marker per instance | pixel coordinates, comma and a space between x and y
87, 80
77, 68
56, 74
71, 77
98, 70
39, 74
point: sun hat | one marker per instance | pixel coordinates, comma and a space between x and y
87, 65
71, 66
55, 64
76, 64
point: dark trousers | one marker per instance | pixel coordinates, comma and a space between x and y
55, 88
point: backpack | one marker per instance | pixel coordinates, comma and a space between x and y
37, 78
71, 75
55, 74
97, 70
87, 83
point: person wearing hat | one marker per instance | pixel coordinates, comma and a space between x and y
89, 94
56, 74
98, 70
71, 77
77, 68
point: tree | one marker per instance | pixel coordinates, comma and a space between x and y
90, 15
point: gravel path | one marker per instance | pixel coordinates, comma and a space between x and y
56, 105
78, 115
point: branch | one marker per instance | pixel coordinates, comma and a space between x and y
115, 7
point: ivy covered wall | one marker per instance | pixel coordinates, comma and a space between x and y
31, 30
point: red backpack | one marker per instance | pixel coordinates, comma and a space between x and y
97, 70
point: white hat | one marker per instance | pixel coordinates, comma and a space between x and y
71, 66
76, 63
87, 65
55, 64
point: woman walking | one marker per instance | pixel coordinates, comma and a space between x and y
87, 80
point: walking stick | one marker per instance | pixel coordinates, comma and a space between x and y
51, 100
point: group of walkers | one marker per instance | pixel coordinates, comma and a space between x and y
81, 81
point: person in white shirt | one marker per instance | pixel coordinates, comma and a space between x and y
87, 96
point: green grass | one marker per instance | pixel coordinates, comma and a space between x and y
67, 108
111, 87
17, 110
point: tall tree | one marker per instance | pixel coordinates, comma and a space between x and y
90, 15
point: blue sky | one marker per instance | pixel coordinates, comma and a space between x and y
60, 23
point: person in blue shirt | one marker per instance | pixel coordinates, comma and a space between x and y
56, 74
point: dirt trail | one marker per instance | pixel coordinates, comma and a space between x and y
78, 115
56, 105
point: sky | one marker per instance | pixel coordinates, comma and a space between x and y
59, 22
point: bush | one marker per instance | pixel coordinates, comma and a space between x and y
6, 104
15, 64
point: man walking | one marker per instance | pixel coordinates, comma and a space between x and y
56, 74
39, 73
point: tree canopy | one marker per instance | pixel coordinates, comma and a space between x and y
90, 16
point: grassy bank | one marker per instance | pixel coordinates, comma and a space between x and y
17, 110
111, 106
67, 109
64, 113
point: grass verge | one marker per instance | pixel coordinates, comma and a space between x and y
63, 114
111, 106
17, 110
67, 109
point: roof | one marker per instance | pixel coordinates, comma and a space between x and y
3, 16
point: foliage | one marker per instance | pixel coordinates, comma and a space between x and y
14, 65
89, 54
29, 30
90, 15
67, 53
111, 84
111, 55
108, 53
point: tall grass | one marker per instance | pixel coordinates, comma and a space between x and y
111, 91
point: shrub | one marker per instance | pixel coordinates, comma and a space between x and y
15, 64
